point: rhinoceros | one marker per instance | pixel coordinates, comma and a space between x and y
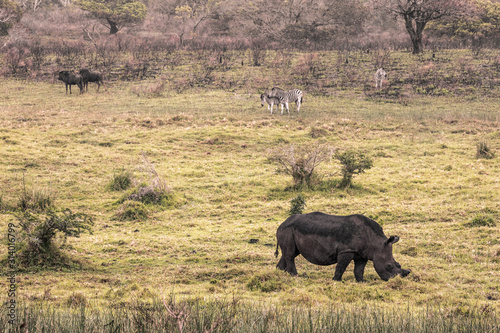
328, 239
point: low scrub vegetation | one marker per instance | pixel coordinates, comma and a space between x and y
353, 163
297, 204
41, 236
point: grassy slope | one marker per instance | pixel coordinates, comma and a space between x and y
425, 184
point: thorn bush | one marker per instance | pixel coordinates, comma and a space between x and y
37, 246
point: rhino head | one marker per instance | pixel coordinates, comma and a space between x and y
384, 263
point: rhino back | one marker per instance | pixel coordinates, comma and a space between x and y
342, 228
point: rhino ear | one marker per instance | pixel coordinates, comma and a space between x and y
392, 240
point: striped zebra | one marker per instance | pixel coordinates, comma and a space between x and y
271, 102
380, 75
288, 96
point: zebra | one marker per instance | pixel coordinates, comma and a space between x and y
294, 95
380, 75
271, 101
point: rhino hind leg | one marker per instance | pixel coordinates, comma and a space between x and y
281, 264
287, 262
343, 261
289, 251
290, 266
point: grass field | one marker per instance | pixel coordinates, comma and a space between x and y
426, 185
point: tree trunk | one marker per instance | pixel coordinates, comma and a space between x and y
113, 27
415, 30
418, 46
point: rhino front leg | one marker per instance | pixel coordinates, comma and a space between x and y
359, 269
343, 261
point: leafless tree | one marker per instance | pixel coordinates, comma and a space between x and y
187, 17
299, 21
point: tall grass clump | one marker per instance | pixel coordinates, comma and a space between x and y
484, 150
132, 210
121, 181
3, 205
155, 193
267, 282
481, 220
36, 199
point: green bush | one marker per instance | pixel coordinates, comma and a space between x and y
37, 246
353, 162
297, 205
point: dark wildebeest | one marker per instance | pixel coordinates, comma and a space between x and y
327, 239
89, 76
71, 79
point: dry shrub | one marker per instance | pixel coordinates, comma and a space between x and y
301, 162
17, 60
308, 64
134, 69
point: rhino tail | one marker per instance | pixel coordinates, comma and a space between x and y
277, 251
